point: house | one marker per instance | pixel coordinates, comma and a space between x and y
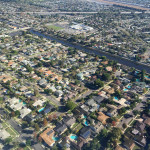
98, 99
43, 82
147, 121
85, 108
78, 112
80, 76
90, 102
59, 93
119, 148
79, 144
69, 121
39, 103
112, 110
49, 108
102, 118
85, 132
24, 112
128, 143
29, 118
60, 128
47, 136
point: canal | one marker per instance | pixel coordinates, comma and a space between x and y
119, 59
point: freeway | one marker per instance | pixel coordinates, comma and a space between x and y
123, 5
48, 13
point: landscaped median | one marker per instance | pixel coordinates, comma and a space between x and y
13, 133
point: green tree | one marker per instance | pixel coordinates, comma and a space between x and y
106, 76
99, 83
71, 105
8, 140
37, 127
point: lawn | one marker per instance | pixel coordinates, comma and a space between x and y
54, 27
4, 125
77, 129
136, 147
11, 132
74, 126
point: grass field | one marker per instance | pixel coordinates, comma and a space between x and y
10, 132
136, 147
54, 27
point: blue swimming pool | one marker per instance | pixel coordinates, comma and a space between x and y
84, 117
125, 89
116, 98
129, 86
86, 123
137, 80
55, 138
41, 109
147, 77
73, 137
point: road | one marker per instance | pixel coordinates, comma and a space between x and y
48, 13
123, 5
138, 107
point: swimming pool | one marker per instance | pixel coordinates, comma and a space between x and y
41, 109
84, 117
116, 98
129, 86
55, 138
147, 77
86, 123
125, 89
137, 80
73, 137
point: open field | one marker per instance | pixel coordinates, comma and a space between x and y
54, 27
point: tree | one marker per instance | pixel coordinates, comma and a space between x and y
136, 112
71, 105
28, 142
37, 127
13, 114
122, 110
143, 75
124, 125
39, 139
45, 122
8, 140
36, 91
17, 113
106, 76
50, 117
99, 83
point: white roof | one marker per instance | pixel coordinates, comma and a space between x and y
24, 112
4, 134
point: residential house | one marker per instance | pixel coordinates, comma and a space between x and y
102, 118
87, 132
47, 136
128, 143
69, 121
112, 110
60, 128
24, 112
